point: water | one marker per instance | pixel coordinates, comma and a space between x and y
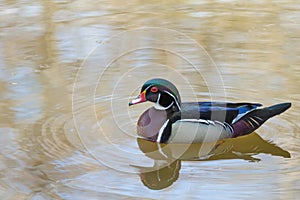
69, 69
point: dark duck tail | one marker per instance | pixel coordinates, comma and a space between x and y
254, 119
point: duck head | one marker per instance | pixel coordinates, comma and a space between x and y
161, 92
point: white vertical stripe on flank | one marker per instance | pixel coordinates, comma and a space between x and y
161, 130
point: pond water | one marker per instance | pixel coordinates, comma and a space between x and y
69, 68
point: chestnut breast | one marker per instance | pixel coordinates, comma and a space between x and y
150, 123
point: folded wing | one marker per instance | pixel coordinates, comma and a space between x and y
217, 111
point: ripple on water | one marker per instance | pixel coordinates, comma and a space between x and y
53, 143
102, 143
70, 159
16, 166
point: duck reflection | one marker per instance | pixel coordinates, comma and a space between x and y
167, 157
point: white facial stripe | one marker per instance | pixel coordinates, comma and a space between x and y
174, 99
147, 87
159, 107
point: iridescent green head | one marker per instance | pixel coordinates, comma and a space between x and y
160, 91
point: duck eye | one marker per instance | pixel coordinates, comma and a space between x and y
154, 89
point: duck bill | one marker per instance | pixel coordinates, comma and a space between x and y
140, 99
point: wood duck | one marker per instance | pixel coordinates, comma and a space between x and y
171, 121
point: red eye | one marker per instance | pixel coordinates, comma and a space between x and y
154, 89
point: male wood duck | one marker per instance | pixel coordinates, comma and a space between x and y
173, 121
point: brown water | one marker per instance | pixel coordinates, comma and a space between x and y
69, 68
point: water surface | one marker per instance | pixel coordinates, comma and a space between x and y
69, 69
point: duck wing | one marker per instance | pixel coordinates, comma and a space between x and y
216, 111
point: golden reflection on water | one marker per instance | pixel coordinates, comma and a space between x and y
163, 174
45, 154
